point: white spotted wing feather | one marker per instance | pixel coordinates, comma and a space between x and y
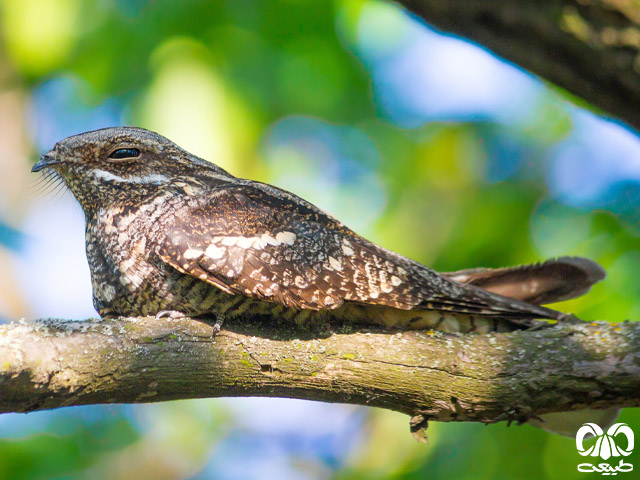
259, 241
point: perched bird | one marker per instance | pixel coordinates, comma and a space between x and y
168, 233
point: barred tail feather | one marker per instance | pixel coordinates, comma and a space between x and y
541, 283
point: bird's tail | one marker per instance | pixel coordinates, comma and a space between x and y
541, 283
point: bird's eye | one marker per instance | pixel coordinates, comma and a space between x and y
121, 153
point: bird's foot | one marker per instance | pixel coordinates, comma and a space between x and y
540, 325
570, 319
172, 314
218, 325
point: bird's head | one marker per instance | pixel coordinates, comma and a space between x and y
106, 164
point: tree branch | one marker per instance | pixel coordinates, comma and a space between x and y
485, 378
589, 47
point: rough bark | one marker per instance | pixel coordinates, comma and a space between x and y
591, 48
485, 378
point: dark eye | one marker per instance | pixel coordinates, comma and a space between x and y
121, 153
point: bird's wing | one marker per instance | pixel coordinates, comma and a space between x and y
257, 240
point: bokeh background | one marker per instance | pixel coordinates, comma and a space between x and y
419, 141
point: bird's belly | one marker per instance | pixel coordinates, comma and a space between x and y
418, 319
174, 293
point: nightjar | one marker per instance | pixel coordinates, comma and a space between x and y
168, 232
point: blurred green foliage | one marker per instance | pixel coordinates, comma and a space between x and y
222, 79
47, 455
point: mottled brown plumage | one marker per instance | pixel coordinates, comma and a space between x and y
167, 231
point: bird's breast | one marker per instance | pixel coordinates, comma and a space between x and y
121, 241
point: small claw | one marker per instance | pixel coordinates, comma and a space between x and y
172, 314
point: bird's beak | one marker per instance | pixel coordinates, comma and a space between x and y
46, 160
